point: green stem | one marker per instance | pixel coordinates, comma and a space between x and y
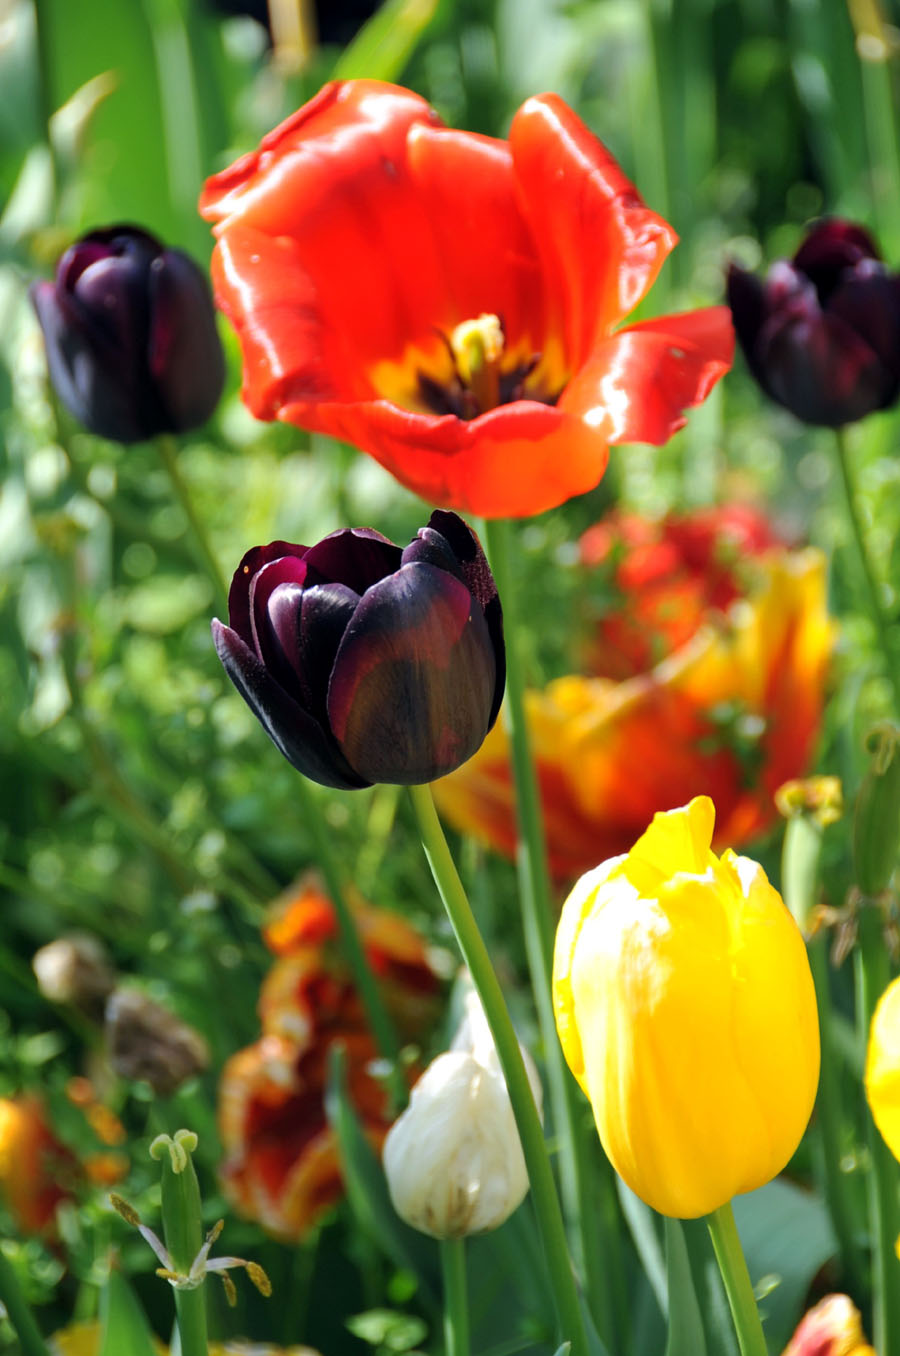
828, 1125
732, 1265
379, 1018
534, 1147
456, 1311
18, 1312
168, 451
876, 606
182, 1215
872, 978
599, 1264
800, 873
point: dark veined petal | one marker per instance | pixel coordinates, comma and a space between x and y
822, 371
325, 613
293, 731
239, 594
472, 567
414, 680
285, 570
185, 353
355, 556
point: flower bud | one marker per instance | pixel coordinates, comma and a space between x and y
74, 970
821, 334
453, 1159
883, 1067
832, 1328
145, 1040
686, 1011
130, 333
364, 662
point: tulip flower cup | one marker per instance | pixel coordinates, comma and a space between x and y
451, 303
685, 1007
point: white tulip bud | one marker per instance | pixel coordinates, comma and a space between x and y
453, 1159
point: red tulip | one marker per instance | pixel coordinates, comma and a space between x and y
450, 303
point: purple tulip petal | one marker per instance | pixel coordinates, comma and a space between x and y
285, 570
357, 557
869, 302
746, 298
822, 371
414, 679
239, 593
830, 249
184, 353
303, 742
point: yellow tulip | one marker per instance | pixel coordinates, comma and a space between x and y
883, 1068
686, 1011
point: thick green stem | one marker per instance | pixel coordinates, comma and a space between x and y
534, 1147
599, 1264
18, 1312
732, 1265
377, 1014
872, 978
876, 606
168, 451
182, 1215
456, 1306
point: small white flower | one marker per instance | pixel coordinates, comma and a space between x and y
453, 1159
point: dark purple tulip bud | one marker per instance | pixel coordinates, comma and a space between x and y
821, 333
364, 662
131, 338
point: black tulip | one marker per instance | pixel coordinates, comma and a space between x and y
364, 662
130, 332
821, 333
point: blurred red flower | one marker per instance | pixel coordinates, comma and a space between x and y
281, 1163
37, 1171
832, 1328
449, 302
731, 710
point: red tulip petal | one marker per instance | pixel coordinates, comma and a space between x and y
514, 461
636, 385
600, 247
328, 227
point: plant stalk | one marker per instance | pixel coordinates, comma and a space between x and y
534, 1147
456, 1310
733, 1266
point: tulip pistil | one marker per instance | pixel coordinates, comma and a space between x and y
479, 382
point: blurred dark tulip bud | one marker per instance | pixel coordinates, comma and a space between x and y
75, 970
130, 332
821, 333
146, 1040
365, 663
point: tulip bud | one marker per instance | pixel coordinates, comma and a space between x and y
453, 1159
74, 970
147, 1041
686, 1011
130, 333
364, 662
832, 1328
821, 335
883, 1067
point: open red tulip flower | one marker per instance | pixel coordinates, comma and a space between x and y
451, 303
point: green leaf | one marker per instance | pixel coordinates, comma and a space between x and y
685, 1336
367, 1187
123, 1326
385, 44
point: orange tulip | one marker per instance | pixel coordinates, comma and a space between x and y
731, 713
37, 1172
451, 303
281, 1164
